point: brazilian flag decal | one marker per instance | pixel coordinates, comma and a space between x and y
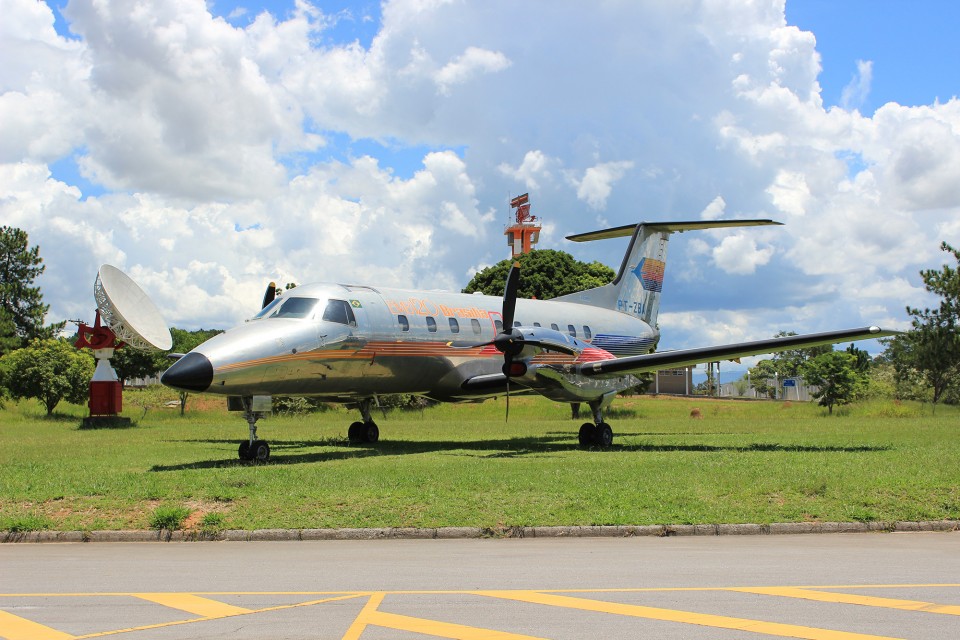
356, 304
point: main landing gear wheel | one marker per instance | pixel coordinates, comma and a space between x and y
259, 451
363, 432
604, 435
596, 435
586, 436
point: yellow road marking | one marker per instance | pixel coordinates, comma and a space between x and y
193, 620
16, 628
849, 598
13, 627
369, 615
439, 629
193, 604
686, 617
360, 623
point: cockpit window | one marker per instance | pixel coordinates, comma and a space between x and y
288, 307
339, 311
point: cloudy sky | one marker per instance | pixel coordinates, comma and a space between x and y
207, 148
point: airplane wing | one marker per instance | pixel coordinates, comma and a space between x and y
689, 357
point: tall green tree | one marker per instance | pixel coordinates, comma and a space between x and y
20, 300
545, 274
836, 375
932, 346
49, 370
8, 333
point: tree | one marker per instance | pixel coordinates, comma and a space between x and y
788, 363
895, 369
50, 370
741, 385
764, 378
22, 302
836, 375
545, 274
932, 347
136, 363
8, 333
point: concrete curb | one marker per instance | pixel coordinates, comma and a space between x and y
451, 533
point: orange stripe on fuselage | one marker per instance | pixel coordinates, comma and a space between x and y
372, 350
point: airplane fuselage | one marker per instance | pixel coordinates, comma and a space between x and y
351, 343
343, 342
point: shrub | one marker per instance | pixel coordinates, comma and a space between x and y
168, 517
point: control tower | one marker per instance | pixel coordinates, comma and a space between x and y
525, 232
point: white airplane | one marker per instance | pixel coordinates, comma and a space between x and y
352, 343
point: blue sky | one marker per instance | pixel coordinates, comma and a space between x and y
206, 152
914, 47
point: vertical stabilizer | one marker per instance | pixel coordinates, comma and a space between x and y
636, 289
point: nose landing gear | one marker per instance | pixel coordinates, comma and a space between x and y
253, 450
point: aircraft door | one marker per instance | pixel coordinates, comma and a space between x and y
360, 324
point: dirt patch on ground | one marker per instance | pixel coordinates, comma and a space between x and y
199, 509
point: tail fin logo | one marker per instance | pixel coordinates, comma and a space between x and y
650, 274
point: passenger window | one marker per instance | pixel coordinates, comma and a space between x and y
517, 323
454, 326
431, 324
404, 323
572, 330
587, 334
476, 326
498, 325
339, 311
536, 324
553, 325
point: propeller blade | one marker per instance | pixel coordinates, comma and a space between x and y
510, 296
269, 294
506, 418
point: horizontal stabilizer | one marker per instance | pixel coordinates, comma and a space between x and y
689, 357
670, 227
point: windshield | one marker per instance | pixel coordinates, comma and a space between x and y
288, 307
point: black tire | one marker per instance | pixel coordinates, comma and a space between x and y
244, 450
604, 435
260, 452
587, 435
371, 432
356, 433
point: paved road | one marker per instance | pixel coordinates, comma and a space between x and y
831, 587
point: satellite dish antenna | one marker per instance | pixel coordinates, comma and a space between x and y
129, 313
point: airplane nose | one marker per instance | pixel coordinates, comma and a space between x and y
192, 372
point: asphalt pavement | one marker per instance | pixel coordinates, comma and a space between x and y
837, 586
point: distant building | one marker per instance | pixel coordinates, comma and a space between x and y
673, 382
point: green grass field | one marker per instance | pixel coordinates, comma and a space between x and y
460, 465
